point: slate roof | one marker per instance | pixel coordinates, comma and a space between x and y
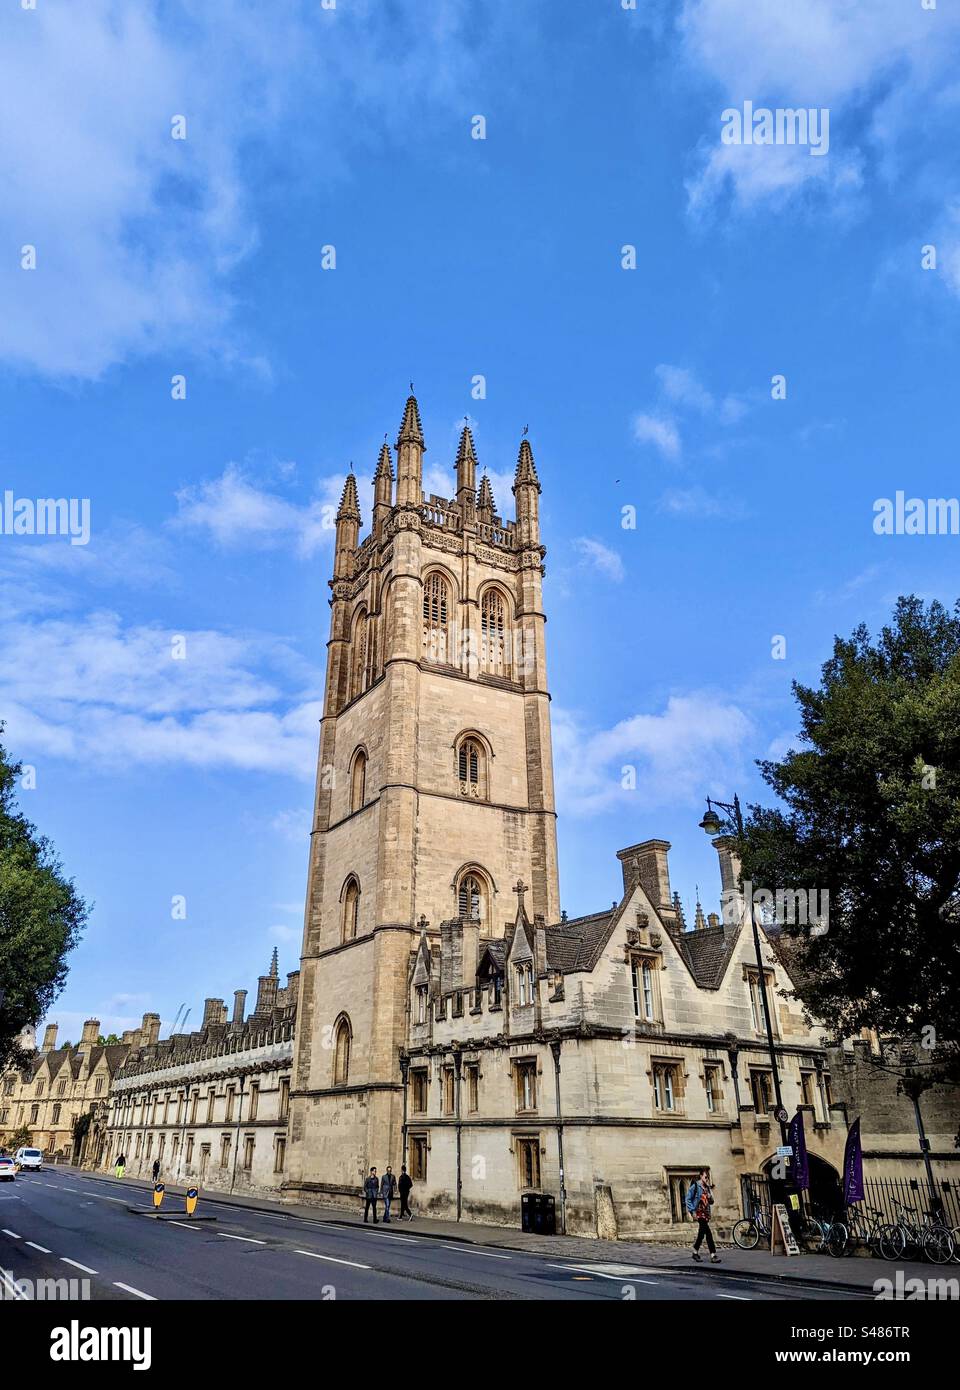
577, 945
707, 952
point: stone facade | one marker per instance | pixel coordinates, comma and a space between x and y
56, 1088
211, 1106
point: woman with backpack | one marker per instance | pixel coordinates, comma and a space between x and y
699, 1202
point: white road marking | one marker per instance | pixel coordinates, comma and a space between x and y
741, 1298
139, 1292
314, 1256
598, 1274
187, 1226
77, 1265
249, 1239
470, 1250
407, 1240
10, 1284
42, 1248
12, 1234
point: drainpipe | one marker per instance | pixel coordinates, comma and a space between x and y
404, 1077
457, 1073
555, 1046
236, 1142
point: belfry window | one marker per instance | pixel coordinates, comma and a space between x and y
358, 780
471, 898
359, 656
341, 1056
436, 607
494, 637
472, 768
351, 909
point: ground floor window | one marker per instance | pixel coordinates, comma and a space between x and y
224, 1150
418, 1157
279, 1153
528, 1161
679, 1187
248, 1152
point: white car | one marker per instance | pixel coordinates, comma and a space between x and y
29, 1158
8, 1169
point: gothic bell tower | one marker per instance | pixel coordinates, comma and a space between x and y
434, 784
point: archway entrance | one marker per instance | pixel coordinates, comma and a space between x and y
824, 1195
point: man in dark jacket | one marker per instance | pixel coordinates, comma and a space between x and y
388, 1188
403, 1187
156, 1169
370, 1190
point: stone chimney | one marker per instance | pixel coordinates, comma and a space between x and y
211, 1011
90, 1033
451, 955
471, 953
646, 864
239, 1004
293, 988
150, 1030
731, 897
49, 1038
129, 1037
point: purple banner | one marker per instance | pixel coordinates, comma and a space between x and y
799, 1167
853, 1166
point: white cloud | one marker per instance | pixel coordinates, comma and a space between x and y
683, 388
137, 234
676, 755
95, 691
697, 502
881, 67
601, 558
659, 431
236, 512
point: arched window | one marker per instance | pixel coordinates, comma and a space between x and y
351, 909
436, 609
358, 780
341, 1054
494, 634
472, 768
472, 896
358, 667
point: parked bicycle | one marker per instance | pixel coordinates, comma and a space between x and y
857, 1229
914, 1235
747, 1233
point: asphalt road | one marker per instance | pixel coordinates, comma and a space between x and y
56, 1225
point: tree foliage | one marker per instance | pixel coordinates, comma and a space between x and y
41, 916
870, 811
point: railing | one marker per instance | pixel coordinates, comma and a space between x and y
883, 1194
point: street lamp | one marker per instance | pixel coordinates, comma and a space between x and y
713, 826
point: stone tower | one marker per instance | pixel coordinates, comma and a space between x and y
434, 784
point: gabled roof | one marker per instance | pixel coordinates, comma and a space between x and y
577, 945
707, 952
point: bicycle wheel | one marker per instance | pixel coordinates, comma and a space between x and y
837, 1241
812, 1233
891, 1242
746, 1233
938, 1245
955, 1237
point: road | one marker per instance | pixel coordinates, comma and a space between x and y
66, 1224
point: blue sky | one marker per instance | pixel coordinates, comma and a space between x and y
455, 257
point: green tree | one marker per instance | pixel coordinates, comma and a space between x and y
871, 813
108, 1041
41, 916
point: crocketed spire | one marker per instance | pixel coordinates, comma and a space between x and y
410, 428
349, 501
384, 464
466, 453
526, 468
485, 500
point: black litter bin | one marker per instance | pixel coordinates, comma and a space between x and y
538, 1213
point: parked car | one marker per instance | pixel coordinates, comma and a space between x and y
29, 1158
8, 1169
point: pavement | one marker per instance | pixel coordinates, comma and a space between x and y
64, 1221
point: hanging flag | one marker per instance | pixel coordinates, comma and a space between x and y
799, 1167
853, 1166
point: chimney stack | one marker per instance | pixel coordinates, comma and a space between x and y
646, 864
49, 1037
150, 1030
239, 1003
731, 897
90, 1033
211, 1011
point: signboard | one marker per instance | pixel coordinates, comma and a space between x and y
192, 1195
158, 1190
781, 1116
785, 1151
782, 1231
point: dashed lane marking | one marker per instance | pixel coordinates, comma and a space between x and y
42, 1248
741, 1298
599, 1274
187, 1227
128, 1288
77, 1265
314, 1256
249, 1239
12, 1234
469, 1249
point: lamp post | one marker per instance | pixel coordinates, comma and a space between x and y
713, 826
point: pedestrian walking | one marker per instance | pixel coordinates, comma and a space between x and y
388, 1190
404, 1185
370, 1190
121, 1164
156, 1170
699, 1200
